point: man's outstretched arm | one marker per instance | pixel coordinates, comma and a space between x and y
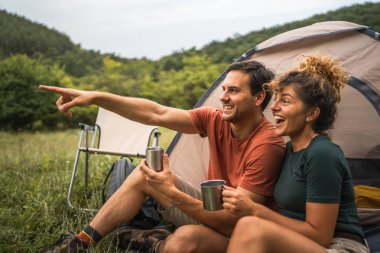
137, 109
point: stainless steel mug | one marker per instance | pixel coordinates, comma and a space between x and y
212, 194
154, 158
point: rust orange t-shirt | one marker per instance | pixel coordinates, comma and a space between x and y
252, 163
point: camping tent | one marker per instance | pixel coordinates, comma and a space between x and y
357, 129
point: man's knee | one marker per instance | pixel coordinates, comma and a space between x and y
184, 240
135, 180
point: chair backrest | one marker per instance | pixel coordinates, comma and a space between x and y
118, 134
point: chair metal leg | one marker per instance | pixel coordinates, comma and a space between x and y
73, 179
86, 171
86, 168
85, 130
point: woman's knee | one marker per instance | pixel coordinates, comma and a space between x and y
251, 228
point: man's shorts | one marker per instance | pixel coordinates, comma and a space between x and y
343, 245
174, 214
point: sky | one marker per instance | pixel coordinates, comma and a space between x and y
155, 28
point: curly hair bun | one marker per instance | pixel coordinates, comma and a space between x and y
327, 68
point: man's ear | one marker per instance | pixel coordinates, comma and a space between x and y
260, 96
313, 114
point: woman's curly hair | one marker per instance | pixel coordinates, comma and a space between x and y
318, 81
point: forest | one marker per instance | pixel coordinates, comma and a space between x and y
33, 54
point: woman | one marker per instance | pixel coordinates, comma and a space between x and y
314, 192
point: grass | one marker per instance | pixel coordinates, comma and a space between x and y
35, 171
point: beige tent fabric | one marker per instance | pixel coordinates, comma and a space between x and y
357, 129
307, 32
369, 216
120, 135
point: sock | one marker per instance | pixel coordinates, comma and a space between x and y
89, 236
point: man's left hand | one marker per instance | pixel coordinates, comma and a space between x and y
162, 181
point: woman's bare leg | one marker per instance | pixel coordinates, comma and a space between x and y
256, 235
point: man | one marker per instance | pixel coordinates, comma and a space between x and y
243, 151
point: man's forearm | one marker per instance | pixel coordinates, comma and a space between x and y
136, 109
146, 112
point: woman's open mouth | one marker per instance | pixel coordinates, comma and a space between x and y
279, 120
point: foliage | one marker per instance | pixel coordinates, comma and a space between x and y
22, 105
21, 36
124, 78
78, 62
183, 88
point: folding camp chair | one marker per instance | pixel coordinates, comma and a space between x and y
112, 135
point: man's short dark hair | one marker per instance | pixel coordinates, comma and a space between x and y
258, 76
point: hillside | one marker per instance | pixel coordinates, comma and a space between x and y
18, 35
31, 54
21, 36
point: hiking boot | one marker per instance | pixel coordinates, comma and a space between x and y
68, 243
141, 240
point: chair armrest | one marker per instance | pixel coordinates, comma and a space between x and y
85, 130
86, 127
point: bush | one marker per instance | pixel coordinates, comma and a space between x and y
23, 105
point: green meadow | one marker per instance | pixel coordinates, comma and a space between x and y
35, 171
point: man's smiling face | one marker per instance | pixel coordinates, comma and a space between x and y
237, 100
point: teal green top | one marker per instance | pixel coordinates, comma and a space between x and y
317, 174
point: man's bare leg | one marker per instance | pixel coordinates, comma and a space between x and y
125, 203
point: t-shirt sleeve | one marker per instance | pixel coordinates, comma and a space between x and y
201, 117
324, 175
263, 169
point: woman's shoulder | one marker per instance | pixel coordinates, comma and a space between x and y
327, 157
323, 147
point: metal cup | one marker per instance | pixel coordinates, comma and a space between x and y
212, 194
154, 158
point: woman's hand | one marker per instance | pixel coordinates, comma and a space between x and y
237, 203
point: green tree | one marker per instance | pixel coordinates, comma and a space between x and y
23, 105
183, 88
